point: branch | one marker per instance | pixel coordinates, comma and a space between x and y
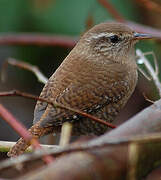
37, 39
29, 96
137, 129
34, 69
112, 149
63, 41
66, 132
153, 73
21, 130
114, 160
5, 146
66, 129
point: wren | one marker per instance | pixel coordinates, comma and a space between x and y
98, 77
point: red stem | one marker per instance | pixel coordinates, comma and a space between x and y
21, 130
37, 39
26, 95
63, 41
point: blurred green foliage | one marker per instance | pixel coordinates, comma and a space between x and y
58, 16
66, 17
53, 16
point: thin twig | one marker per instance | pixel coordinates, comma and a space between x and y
5, 146
66, 132
144, 74
21, 130
89, 22
150, 69
37, 39
147, 99
26, 95
156, 65
23, 65
111, 9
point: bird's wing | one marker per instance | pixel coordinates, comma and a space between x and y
89, 98
81, 88
41, 106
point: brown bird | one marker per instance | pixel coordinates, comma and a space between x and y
98, 77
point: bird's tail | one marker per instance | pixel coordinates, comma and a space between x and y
21, 145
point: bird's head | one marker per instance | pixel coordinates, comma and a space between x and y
111, 41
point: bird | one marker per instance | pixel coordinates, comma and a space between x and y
98, 77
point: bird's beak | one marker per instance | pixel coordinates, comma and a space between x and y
140, 36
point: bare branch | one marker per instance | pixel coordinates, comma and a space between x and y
141, 130
66, 132
37, 39
156, 65
125, 134
138, 129
29, 96
113, 163
66, 41
20, 129
147, 99
153, 73
6, 146
23, 65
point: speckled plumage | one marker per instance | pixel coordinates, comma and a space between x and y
100, 95
97, 77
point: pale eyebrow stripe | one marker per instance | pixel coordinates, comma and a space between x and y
96, 36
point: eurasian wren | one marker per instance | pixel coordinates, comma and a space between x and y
98, 77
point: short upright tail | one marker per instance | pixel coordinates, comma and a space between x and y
21, 145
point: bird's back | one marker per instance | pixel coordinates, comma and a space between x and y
85, 86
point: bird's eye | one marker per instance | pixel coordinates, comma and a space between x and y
114, 39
